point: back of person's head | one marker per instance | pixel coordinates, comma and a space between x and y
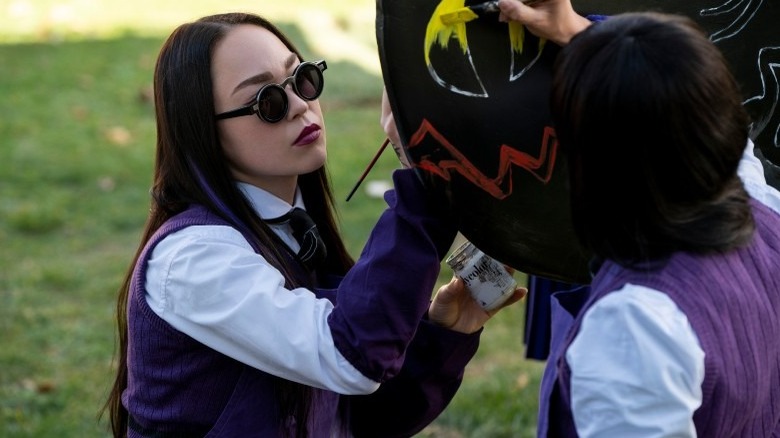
652, 121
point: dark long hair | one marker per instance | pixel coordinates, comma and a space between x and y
652, 121
190, 168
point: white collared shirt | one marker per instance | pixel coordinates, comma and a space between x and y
269, 206
652, 384
208, 282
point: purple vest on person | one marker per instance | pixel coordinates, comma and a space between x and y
179, 387
229, 398
732, 302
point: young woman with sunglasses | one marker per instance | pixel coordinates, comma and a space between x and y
678, 336
227, 327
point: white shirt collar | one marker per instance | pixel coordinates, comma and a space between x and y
267, 205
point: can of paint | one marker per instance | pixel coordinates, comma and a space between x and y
487, 280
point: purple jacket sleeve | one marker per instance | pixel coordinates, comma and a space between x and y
429, 379
384, 296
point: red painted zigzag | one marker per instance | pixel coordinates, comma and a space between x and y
540, 167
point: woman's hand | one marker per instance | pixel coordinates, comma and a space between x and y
388, 124
454, 308
554, 20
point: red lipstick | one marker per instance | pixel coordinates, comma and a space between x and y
308, 135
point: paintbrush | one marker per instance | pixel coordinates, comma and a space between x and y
468, 13
368, 168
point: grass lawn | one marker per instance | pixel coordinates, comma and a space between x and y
76, 152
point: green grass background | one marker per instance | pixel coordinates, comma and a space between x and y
76, 152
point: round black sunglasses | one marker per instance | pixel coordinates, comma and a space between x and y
271, 102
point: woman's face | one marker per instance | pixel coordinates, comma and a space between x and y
267, 155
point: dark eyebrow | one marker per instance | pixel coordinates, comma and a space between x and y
264, 76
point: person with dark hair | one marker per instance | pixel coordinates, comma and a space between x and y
242, 313
678, 335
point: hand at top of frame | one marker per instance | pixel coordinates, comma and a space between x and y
554, 20
454, 308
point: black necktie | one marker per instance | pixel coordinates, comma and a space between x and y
313, 251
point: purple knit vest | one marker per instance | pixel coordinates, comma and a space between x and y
178, 386
732, 301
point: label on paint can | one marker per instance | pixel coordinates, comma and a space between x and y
487, 280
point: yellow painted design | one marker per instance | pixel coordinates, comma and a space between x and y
438, 32
460, 16
541, 44
516, 36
